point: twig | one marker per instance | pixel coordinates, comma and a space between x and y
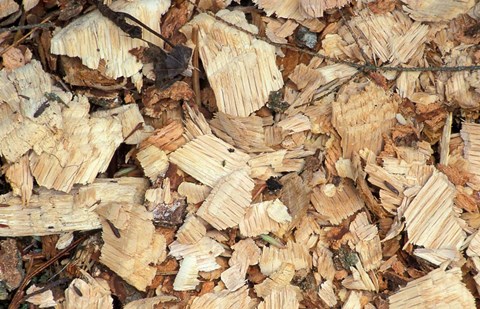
17, 298
32, 26
196, 69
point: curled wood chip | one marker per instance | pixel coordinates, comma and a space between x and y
186, 278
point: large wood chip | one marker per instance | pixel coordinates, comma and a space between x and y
430, 218
81, 37
363, 117
234, 73
208, 159
132, 257
52, 212
154, 162
367, 241
436, 10
186, 278
223, 299
228, 201
92, 293
471, 135
294, 253
316, 8
258, 220
295, 194
284, 297
245, 133
437, 287
327, 294
204, 250
280, 278
334, 208
20, 178
191, 231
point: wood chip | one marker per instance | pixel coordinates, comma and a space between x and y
124, 252
186, 278
257, 219
284, 297
436, 10
437, 287
294, 253
195, 193
92, 293
205, 251
343, 203
235, 82
223, 299
208, 159
191, 231
154, 162
80, 38
367, 241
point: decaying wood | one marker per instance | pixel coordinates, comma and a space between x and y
79, 39
124, 251
52, 212
234, 73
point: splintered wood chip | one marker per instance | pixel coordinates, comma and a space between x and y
363, 117
471, 135
334, 208
205, 250
43, 300
154, 162
20, 179
167, 138
430, 219
224, 299
208, 159
195, 193
327, 294
53, 212
186, 278
227, 203
316, 8
132, 257
258, 219
92, 293
436, 10
437, 287
280, 278
294, 253
236, 63
367, 241
284, 297
80, 38
191, 231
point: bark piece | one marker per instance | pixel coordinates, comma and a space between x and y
258, 219
124, 252
294, 253
363, 117
337, 207
235, 72
430, 218
92, 293
437, 287
436, 10
11, 273
208, 159
228, 201
223, 299
53, 212
81, 37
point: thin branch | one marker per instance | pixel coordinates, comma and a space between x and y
32, 26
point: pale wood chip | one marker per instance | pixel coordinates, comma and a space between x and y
223, 299
343, 203
150, 302
186, 278
205, 251
20, 179
131, 257
43, 300
191, 231
208, 159
362, 118
258, 221
195, 124
154, 162
277, 31
234, 277
80, 38
327, 294
52, 212
195, 193
280, 278
437, 287
430, 218
316, 8
353, 301
295, 123
294, 253
234, 73
168, 138
474, 246
284, 297
436, 10
367, 241
471, 135
13, 59
8, 7
227, 203
245, 133
323, 260
360, 279
246, 252
94, 293
295, 194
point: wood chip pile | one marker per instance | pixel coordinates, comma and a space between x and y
267, 154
